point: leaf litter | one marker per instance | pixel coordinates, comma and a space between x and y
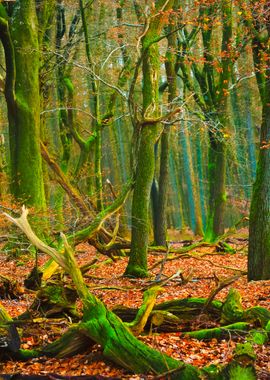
105, 279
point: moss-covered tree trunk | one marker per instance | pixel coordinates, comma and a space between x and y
259, 222
217, 194
21, 46
149, 134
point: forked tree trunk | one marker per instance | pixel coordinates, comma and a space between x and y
137, 265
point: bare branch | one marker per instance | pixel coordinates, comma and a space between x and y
24, 225
86, 68
68, 108
252, 75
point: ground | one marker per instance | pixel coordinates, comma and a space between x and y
106, 281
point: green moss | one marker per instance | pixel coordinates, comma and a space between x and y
24, 124
236, 372
258, 336
69, 85
209, 235
244, 349
211, 372
218, 332
232, 310
27, 354
3, 12
223, 197
257, 314
136, 271
228, 248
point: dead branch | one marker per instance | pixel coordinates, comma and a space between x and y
64, 182
23, 224
96, 224
165, 281
220, 284
184, 254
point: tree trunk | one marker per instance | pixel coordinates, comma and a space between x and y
20, 42
259, 221
149, 133
160, 214
195, 216
217, 190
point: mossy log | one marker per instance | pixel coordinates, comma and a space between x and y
120, 346
149, 298
52, 300
257, 315
164, 321
168, 316
188, 308
232, 310
71, 343
177, 312
219, 332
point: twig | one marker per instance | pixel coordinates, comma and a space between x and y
165, 281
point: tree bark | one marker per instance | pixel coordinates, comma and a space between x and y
20, 41
149, 133
259, 222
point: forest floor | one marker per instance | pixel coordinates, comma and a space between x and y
106, 281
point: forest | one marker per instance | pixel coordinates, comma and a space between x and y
135, 189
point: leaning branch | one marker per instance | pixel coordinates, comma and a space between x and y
96, 224
64, 182
24, 225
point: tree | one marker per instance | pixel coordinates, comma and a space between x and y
208, 78
19, 36
149, 131
259, 222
